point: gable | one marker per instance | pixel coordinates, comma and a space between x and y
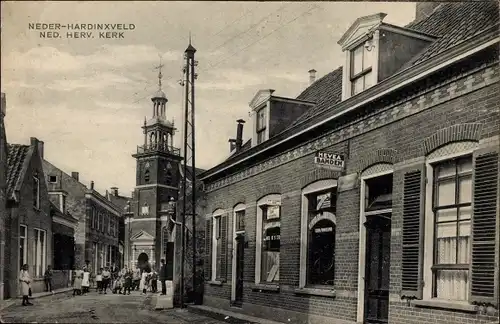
260, 97
360, 28
142, 236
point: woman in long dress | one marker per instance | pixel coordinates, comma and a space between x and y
77, 284
144, 281
25, 279
85, 281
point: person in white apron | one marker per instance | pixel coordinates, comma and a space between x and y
85, 281
25, 279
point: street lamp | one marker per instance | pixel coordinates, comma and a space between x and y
129, 215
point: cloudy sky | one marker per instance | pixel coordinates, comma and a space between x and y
87, 98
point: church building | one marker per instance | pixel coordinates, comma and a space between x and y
148, 215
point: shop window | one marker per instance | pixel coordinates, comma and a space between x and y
269, 239
40, 249
321, 240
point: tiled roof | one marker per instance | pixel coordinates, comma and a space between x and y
454, 23
326, 91
119, 201
16, 156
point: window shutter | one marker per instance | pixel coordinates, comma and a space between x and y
485, 232
208, 249
223, 252
412, 247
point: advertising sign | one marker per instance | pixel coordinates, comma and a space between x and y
333, 161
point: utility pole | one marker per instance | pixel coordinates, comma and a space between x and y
189, 167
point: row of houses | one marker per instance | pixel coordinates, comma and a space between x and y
373, 196
48, 217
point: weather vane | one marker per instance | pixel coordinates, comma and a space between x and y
160, 76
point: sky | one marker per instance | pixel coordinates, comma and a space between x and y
87, 98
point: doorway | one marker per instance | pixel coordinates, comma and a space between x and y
377, 273
240, 245
142, 260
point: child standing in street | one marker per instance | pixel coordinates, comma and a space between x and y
98, 280
128, 281
48, 279
106, 280
85, 281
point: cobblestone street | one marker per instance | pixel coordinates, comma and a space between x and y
95, 308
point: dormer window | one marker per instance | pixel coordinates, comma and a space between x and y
361, 69
261, 125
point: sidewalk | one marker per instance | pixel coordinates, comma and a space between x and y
48, 293
228, 314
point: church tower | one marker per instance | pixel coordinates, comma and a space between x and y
157, 184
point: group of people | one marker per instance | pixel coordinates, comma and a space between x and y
120, 281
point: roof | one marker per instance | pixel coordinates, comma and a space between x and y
159, 94
16, 156
451, 23
119, 201
454, 23
67, 216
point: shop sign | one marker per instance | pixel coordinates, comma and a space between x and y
333, 161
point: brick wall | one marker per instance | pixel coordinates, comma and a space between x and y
24, 213
404, 136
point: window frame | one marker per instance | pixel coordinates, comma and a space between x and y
268, 200
36, 191
429, 230
49, 178
216, 222
261, 124
364, 71
39, 272
25, 245
318, 186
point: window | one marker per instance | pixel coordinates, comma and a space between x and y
23, 245
451, 207
261, 125
105, 228
216, 244
145, 209
240, 220
321, 237
63, 203
40, 252
146, 176
52, 179
361, 70
101, 222
168, 178
36, 191
94, 218
268, 238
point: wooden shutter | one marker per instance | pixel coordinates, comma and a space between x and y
413, 221
223, 251
208, 249
485, 232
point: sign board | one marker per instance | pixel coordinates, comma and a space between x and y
273, 212
333, 161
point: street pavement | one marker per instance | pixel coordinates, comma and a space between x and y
99, 308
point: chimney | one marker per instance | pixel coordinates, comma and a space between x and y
232, 144
425, 9
91, 185
114, 190
239, 135
35, 142
312, 76
75, 175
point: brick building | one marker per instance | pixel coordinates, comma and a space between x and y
3, 188
325, 213
121, 202
96, 235
28, 220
